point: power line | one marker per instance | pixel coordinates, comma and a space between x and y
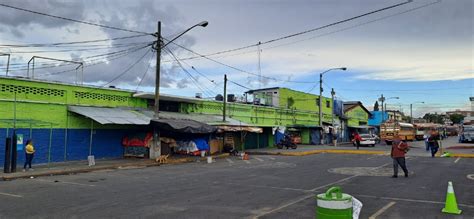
77, 50
145, 73
69, 43
239, 84
192, 67
97, 63
98, 57
307, 31
195, 81
237, 69
128, 69
72, 20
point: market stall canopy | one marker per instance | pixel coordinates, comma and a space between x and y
184, 126
362, 127
231, 128
105, 115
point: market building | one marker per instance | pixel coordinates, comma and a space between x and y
357, 118
70, 122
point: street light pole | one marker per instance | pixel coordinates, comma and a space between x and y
321, 93
333, 93
155, 149
411, 110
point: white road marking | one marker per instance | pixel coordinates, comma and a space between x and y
285, 205
246, 161
64, 182
311, 195
268, 187
271, 158
457, 160
259, 159
345, 179
470, 176
11, 195
382, 210
410, 200
229, 160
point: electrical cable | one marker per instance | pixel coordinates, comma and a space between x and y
128, 69
310, 30
97, 63
146, 71
69, 43
189, 74
72, 20
237, 69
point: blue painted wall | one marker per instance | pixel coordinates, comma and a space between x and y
376, 118
106, 143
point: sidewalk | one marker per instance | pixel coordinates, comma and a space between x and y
416, 149
73, 167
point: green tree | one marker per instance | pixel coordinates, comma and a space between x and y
376, 106
456, 118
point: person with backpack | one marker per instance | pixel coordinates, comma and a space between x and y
399, 149
433, 143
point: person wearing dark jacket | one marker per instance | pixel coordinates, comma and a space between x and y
399, 149
433, 143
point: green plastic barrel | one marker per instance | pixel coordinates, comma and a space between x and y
334, 204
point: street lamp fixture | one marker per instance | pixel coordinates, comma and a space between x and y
201, 24
321, 92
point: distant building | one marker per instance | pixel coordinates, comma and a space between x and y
419, 120
469, 119
395, 115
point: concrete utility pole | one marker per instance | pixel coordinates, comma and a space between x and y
225, 98
8, 61
155, 149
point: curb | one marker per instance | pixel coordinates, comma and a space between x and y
144, 164
320, 151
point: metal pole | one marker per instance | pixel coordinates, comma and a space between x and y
155, 151
411, 113
225, 98
90, 140
320, 100
50, 142
8, 64
332, 116
65, 136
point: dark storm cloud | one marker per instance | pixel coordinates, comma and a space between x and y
18, 20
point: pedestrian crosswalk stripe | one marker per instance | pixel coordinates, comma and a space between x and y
271, 158
246, 161
259, 159
229, 160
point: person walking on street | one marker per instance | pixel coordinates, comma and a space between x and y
425, 138
357, 139
433, 143
29, 153
399, 149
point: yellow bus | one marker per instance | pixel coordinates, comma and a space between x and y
406, 131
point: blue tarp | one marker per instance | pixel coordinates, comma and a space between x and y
376, 118
201, 144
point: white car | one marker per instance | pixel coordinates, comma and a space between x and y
367, 139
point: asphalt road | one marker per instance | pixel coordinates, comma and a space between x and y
263, 187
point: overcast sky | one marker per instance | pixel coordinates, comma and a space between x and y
418, 55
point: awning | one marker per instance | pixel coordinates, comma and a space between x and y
105, 115
228, 128
184, 126
361, 127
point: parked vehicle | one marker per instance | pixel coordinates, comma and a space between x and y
467, 133
287, 142
389, 129
367, 140
422, 129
